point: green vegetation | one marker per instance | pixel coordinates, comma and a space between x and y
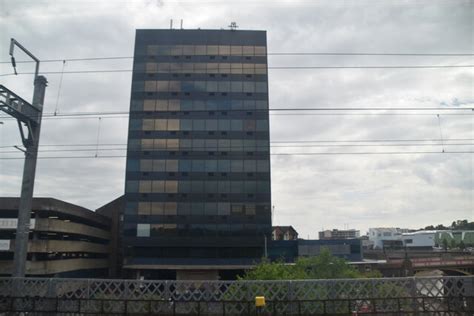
456, 225
323, 266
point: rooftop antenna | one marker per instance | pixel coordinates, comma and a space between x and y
171, 24
181, 23
233, 26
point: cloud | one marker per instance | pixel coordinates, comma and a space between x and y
309, 192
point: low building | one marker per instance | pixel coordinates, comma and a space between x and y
387, 237
455, 237
289, 250
113, 211
65, 240
339, 234
349, 249
284, 233
419, 239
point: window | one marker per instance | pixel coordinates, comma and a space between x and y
210, 209
149, 105
200, 50
236, 68
211, 165
146, 165
236, 125
211, 86
172, 165
223, 209
148, 125
211, 125
159, 165
132, 186
197, 186
144, 208
223, 144
173, 125
213, 50
152, 49
236, 50
171, 208
224, 187
250, 166
158, 186
223, 165
250, 187
173, 105
160, 124
260, 50
237, 209
262, 125
199, 125
145, 187
157, 208
261, 87
224, 50
248, 86
248, 50
263, 166
237, 166
237, 187
171, 186
236, 145
172, 144
161, 105
150, 86
143, 230
133, 165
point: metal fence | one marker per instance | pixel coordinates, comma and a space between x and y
385, 296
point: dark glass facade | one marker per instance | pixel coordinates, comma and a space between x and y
198, 168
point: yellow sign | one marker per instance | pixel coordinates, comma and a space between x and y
259, 301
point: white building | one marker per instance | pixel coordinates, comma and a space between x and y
422, 238
380, 235
400, 237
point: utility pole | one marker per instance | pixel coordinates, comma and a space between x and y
30, 116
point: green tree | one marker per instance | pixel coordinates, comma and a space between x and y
453, 243
445, 244
323, 266
462, 246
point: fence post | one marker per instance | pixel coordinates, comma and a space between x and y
413, 291
469, 293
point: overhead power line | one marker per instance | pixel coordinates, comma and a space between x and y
97, 149
269, 54
274, 154
269, 67
280, 142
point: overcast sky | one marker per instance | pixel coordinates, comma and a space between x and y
309, 192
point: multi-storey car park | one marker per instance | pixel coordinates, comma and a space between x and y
65, 240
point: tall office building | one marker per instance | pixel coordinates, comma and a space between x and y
197, 190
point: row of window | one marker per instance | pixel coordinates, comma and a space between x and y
198, 105
197, 186
201, 86
172, 165
204, 68
198, 125
157, 230
194, 209
184, 144
202, 50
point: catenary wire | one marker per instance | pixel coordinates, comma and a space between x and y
277, 142
269, 54
269, 67
227, 148
275, 154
